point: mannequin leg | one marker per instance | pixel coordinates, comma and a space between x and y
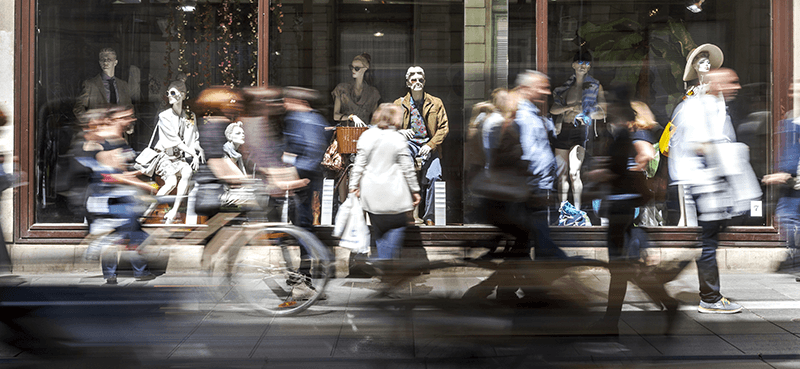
183, 187
563, 164
576, 156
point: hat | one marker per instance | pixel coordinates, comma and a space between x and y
714, 56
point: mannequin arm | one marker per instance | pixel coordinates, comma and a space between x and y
337, 112
558, 109
600, 113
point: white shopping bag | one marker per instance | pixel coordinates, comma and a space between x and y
354, 232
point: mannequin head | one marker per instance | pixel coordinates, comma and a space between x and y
581, 62
176, 92
701, 60
234, 133
360, 66
108, 61
415, 78
701, 63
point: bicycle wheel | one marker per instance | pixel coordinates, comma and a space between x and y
279, 269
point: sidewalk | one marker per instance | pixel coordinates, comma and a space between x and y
345, 332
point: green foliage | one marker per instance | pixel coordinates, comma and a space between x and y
629, 46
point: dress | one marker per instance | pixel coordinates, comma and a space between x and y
172, 131
362, 106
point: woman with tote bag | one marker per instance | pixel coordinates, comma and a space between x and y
383, 177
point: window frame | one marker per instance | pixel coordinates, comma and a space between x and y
27, 231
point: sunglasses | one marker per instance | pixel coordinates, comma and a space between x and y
355, 68
583, 63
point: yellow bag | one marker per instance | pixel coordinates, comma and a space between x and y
663, 142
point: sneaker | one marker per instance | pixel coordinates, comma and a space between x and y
112, 280
723, 306
148, 277
302, 291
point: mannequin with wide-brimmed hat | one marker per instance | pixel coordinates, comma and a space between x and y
699, 62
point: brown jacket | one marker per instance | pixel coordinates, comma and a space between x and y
434, 115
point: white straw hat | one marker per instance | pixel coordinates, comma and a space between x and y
714, 56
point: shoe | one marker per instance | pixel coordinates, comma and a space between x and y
303, 291
112, 280
723, 306
144, 278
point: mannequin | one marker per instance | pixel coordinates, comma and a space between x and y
425, 125
178, 139
234, 133
96, 92
578, 102
699, 62
354, 102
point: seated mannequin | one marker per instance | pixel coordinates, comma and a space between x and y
425, 126
178, 140
354, 102
578, 102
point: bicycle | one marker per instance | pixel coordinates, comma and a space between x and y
252, 262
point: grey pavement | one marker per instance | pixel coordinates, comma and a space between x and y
427, 324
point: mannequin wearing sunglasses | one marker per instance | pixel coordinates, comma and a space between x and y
354, 102
97, 91
425, 125
179, 146
577, 103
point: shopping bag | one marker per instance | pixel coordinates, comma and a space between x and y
342, 216
355, 235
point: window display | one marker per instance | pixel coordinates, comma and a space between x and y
142, 47
356, 54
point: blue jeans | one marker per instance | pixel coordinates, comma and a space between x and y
788, 213
388, 231
431, 172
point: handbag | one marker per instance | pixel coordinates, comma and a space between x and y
500, 187
148, 159
332, 159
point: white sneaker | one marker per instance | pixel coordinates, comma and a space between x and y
302, 291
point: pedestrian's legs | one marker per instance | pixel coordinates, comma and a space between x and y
707, 269
620, 219
388, 230
108, 260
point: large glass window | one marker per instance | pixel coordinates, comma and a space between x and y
153, 42
643, 46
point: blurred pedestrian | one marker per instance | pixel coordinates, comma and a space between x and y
535, 134
113, 190
697, 162
6, 181
787, 210
628, 151
383, 177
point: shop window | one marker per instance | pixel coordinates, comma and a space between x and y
643, 47
154, 43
